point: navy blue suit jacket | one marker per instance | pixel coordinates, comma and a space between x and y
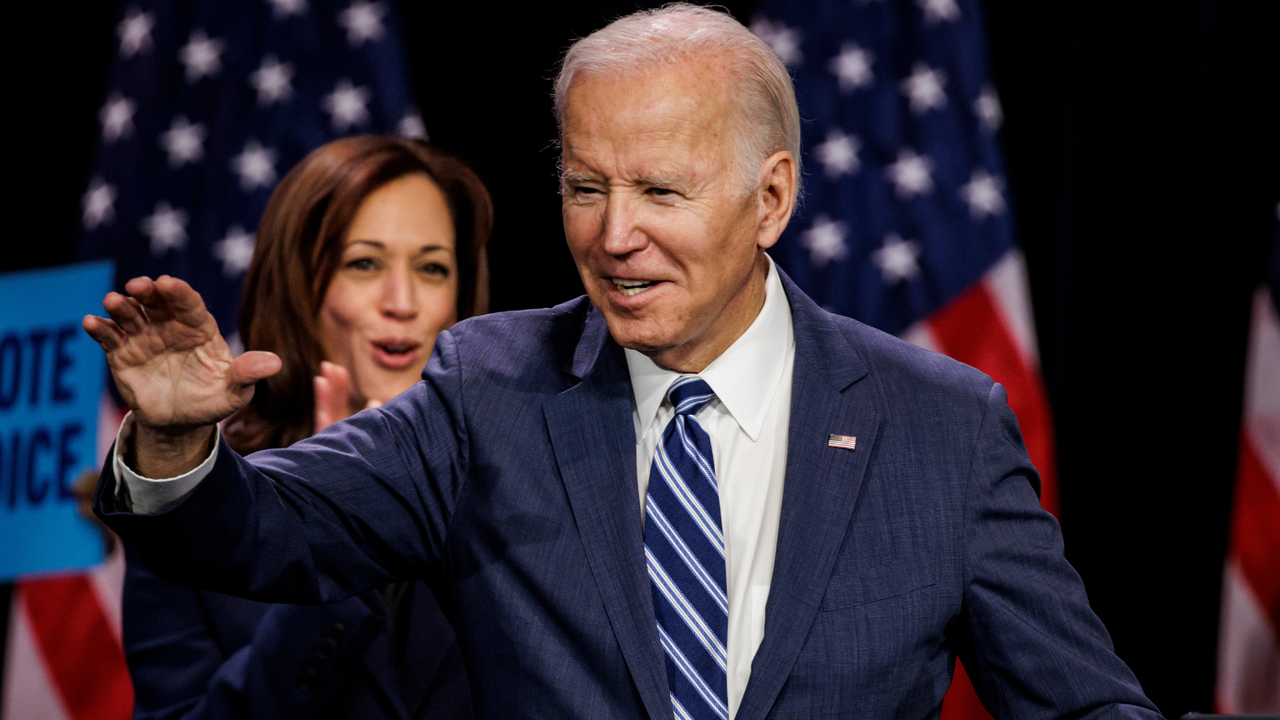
509, 478
201, 655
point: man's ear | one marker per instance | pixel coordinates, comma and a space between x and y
776, 197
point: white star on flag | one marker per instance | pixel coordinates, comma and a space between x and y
936, 11
363, 21
411, 126
784, 41
273, 80
183, 141
825, 240
201, 56
852, 67
923, 88
287, 8
235, 251
897, 259
984, 194
117, 118
911, 174
839, 154
134, 32
255, 165
987, 108
167, 228
99, 204
346, 105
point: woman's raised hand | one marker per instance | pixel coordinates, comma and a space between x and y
333, 395
170, 363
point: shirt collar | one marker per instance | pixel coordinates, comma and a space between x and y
744, 377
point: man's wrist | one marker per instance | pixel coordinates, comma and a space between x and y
157, 453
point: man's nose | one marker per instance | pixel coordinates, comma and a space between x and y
622, 233
397, 299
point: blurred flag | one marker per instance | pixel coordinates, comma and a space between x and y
905, 223
210, 102
63, 658
1249, 632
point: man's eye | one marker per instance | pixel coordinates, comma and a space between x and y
661, 191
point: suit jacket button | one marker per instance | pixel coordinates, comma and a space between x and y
307, 678
324, 649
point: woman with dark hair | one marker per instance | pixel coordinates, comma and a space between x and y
368, 249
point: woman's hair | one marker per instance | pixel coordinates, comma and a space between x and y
299, 248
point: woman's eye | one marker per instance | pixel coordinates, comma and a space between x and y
362, 264
436, 269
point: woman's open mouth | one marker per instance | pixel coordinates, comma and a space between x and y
396, 354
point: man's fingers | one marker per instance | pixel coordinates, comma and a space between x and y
254, 365
182, 301
105, 332
127, 313
146, 291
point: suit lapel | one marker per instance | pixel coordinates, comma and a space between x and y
594, 444
821, 486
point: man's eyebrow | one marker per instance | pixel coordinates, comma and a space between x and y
666, 181
569, 177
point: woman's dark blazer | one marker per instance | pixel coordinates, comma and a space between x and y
195, 654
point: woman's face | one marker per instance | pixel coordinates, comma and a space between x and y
395, 289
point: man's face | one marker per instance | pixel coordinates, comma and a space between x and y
663, 234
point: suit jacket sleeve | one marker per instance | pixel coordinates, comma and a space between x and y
1026, 633
362, 504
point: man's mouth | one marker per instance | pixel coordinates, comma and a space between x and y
632, 287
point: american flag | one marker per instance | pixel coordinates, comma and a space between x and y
210, 102
1249, 632
906, 221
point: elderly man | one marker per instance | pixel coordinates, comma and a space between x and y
694, 494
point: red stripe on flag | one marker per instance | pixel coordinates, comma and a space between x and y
82, 655
971, 330
1255, 530
961, 702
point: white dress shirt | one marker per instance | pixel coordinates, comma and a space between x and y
747, 423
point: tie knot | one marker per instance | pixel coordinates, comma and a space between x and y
689, 394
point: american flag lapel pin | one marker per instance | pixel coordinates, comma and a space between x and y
841, 441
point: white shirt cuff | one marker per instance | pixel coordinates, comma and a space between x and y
151, 496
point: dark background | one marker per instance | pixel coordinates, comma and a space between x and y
1144, 165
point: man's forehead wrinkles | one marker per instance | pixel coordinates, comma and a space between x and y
626, 174
635, 167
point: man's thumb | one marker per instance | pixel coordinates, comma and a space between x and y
254, 365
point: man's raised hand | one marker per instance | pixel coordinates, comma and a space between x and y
173, 368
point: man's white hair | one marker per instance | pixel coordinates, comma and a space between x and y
768, 119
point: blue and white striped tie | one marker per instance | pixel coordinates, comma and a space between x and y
684, 548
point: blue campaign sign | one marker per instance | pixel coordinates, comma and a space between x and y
51, 380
